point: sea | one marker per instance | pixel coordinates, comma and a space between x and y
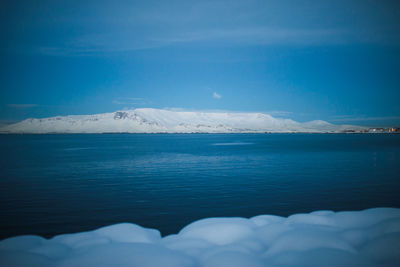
64, 183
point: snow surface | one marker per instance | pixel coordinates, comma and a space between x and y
148, 120
322, 238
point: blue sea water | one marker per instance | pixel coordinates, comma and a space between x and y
52, 184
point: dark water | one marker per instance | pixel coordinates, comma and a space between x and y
52, 184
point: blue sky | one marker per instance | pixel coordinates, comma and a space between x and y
333, 60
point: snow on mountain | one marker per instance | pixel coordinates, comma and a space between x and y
148, 120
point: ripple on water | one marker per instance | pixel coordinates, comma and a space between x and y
233, 144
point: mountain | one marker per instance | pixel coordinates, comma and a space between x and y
148, 120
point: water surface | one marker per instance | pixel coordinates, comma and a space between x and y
52, 184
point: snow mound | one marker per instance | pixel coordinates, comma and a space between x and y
323, 238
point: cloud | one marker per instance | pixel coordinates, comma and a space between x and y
177, 109
279, 113
22, 105
216, 95
87, 45
120, 41
129, 101
350, 118
137, 25
202, 110
261, 35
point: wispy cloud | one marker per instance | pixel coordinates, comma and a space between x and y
136, 25
260, 36
21, 106
216, 95
86, 45
350, 118
122, 42
129, 101
205, 110
279, 113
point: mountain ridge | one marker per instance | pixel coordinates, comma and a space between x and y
150, 120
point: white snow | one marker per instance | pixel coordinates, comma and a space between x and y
323, 238
148, 120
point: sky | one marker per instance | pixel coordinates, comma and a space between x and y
337, 61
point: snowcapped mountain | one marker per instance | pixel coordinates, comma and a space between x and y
148, 120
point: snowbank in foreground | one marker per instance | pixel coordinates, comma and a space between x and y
322, 238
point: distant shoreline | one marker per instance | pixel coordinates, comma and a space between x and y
126, 133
